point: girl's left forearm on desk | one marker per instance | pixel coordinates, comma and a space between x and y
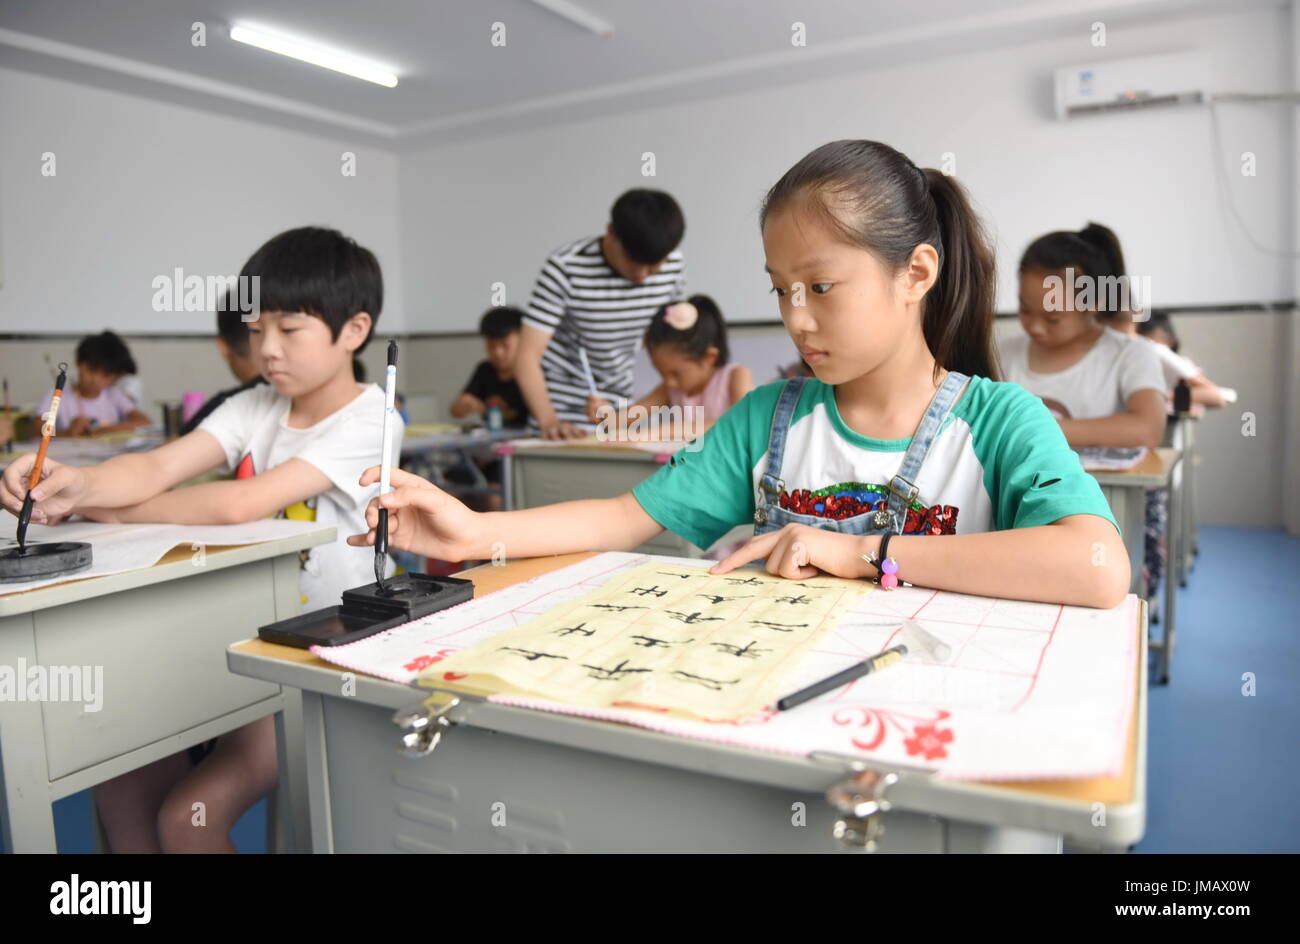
1074, 561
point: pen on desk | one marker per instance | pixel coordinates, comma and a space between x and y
47, 432
877, 662
586, 368
385, 463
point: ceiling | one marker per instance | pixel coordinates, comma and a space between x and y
454, 83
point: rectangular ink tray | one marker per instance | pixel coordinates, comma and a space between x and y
366, 610
411, 595
332, 626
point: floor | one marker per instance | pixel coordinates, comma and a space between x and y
1222, 764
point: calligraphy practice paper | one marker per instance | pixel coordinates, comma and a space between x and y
666, 637
1031, 690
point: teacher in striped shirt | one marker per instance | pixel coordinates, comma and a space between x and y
598, 294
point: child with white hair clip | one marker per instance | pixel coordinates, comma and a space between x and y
687, 343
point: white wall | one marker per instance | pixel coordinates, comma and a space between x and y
143, 187
490, 209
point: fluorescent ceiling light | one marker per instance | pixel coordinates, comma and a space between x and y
325, 58
576, 14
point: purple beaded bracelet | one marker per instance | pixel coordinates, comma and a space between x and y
888, 567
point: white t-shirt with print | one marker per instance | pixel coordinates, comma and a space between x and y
1098, 385
252, 427
1000, 461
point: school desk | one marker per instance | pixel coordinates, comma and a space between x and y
555, 472
159, 633
1180, 433
429, 450
1126, 492
572, 784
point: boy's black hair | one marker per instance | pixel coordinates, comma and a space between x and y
500, 322
320, 272
232, 328
106, 351
708, 331
648, 223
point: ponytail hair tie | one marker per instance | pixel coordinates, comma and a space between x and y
681, 315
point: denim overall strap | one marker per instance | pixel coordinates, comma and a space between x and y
902, 487
769, 483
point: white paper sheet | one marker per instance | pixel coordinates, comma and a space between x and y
118, 548
1031, 691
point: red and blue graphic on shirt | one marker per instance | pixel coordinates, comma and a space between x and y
298, 511
846, 499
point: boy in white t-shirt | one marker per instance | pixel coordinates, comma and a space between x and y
297, 447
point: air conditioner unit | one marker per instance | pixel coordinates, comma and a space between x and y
1126, 84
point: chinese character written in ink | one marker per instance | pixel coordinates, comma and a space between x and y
712, 684
616, 607
780, 627
652, 643
695, 617
611, 675
749, 581
529, 654
741, 652
570, 630
715, 598
645, 591
683, 576
801, 599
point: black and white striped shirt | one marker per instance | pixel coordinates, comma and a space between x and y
581, 300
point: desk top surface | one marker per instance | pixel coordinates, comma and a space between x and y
1119, 790
174, 564
1153, 471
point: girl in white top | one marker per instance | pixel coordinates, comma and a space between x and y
1105, 388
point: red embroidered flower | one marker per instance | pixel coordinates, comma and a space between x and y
419, 663
928, 739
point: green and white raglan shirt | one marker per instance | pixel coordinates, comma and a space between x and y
1000, 461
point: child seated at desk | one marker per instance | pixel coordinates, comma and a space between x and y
493, 381
94, 405
1105, 388
296, 445
1158, 328
903, 457
687, 343
234, 347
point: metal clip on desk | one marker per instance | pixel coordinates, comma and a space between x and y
861, 802
423, 725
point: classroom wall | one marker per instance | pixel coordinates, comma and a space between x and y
472, 213
143, 187
488, 210
1291, 378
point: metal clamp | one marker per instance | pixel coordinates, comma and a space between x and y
907, 496
861, 802
423, 724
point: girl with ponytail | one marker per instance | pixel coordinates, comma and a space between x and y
1106, 388
903, 458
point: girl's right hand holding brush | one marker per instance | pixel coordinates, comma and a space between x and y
422, 518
